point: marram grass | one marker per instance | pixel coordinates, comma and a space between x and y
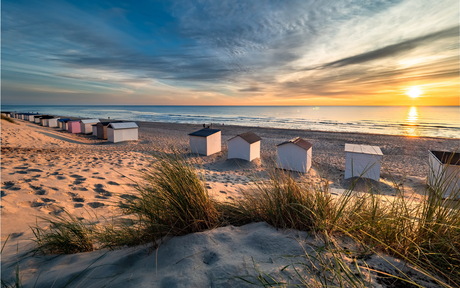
172, 200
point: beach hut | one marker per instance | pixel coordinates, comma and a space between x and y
94, 129
53, 122
244, 146
294, 155
63, 123
102, 129
362, 161
444, 173
86, 125
206, 141
6, 113
45, 119
122, 131
38, 119
32, 117
73, 126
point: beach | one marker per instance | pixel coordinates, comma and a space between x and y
45, 171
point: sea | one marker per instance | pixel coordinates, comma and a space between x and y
436, 121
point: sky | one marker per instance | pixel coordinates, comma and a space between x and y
230, 52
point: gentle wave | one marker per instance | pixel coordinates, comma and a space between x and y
413, 121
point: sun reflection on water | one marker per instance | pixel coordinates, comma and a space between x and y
411, 127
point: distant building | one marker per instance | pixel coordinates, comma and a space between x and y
33, 116
86, 125
53, 122
122, 131
294, 155
94, 129
73, 126
63, 123
44, 120
444, 173
362, 161
102, 129
205, 141
244, 146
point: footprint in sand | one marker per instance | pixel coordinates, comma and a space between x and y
113, 183
10, 185
103, 194
95, 204
38, 189
76, 197
78, 179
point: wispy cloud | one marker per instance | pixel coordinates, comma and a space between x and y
230, 48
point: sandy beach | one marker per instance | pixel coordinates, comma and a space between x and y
45, 171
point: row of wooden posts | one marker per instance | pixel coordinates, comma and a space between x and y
295, 155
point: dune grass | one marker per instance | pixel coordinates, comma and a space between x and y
9, 119
172, 200
65, 234
423, 233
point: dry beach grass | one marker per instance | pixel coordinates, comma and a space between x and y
46, 172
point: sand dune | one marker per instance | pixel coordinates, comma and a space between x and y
46, 171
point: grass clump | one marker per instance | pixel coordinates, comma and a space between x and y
422, 232
285, 203
65, 235
172, 201
7, 118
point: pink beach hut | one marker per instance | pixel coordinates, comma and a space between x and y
74, 126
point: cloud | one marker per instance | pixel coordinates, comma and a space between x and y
233, 48
395, 49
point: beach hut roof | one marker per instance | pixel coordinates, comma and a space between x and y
249, 137
204, 132
299, 142
363, 149
106, 123
445, 157
123, 125
46, 117
89, 121
64, 120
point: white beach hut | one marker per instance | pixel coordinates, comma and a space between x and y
362, 161
38, 119
294, 155
206, 141
244, 146
123, 131
444, 173
86, 125
45, 119
32, 117
53, 122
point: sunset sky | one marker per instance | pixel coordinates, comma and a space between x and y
231, 52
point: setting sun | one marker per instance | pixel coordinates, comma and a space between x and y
414, 92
